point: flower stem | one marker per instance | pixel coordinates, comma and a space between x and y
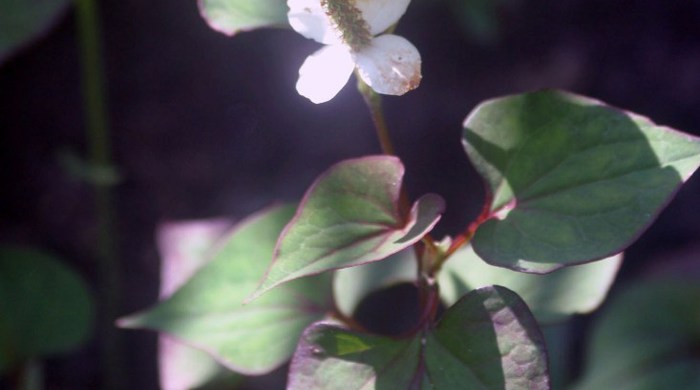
374, 104
97, 132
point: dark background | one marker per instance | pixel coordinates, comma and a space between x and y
206, 125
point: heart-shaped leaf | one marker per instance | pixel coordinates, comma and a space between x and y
350, 216
45, 308
487, 340
552, 297
184, 247
647, 338
233, 16
207, 312
22, 21
571, 180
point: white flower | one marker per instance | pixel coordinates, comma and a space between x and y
388, 63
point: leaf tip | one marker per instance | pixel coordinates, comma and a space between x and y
262, 288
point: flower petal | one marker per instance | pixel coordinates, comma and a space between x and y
324, 73
390, 65
381, 14
308, 18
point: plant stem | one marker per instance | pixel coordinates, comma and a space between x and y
374, 104
465, 237
96, 125
31, 376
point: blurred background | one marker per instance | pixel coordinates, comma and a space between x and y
205, 125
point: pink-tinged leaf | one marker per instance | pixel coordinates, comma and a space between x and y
185, 247
350, 216
233, 16
207, 311
487, 340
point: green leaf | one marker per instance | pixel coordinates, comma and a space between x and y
22, 21
479, 19
351, 285
45, 307
233, 16
552, 297
571, 180
184, 247
350, 216
487, 340
647, 338
207, 312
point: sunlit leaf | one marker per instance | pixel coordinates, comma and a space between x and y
487, 340
551, 297
207, 312
22, 21
571, 179
45, 308
350, 216
185, 247
233, 16
647, 338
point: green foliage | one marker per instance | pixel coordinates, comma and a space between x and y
22, 21
233, 16
350, 216
552, 297
487, 340
571, 180
207, 311
46, 308
185, 247
478, 18
648, 338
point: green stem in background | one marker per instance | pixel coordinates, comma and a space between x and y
31, 376
96, 124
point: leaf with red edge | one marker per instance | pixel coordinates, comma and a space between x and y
233, 16
350, 216
487, 340
571, 179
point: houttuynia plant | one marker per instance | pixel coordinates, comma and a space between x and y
571, 183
